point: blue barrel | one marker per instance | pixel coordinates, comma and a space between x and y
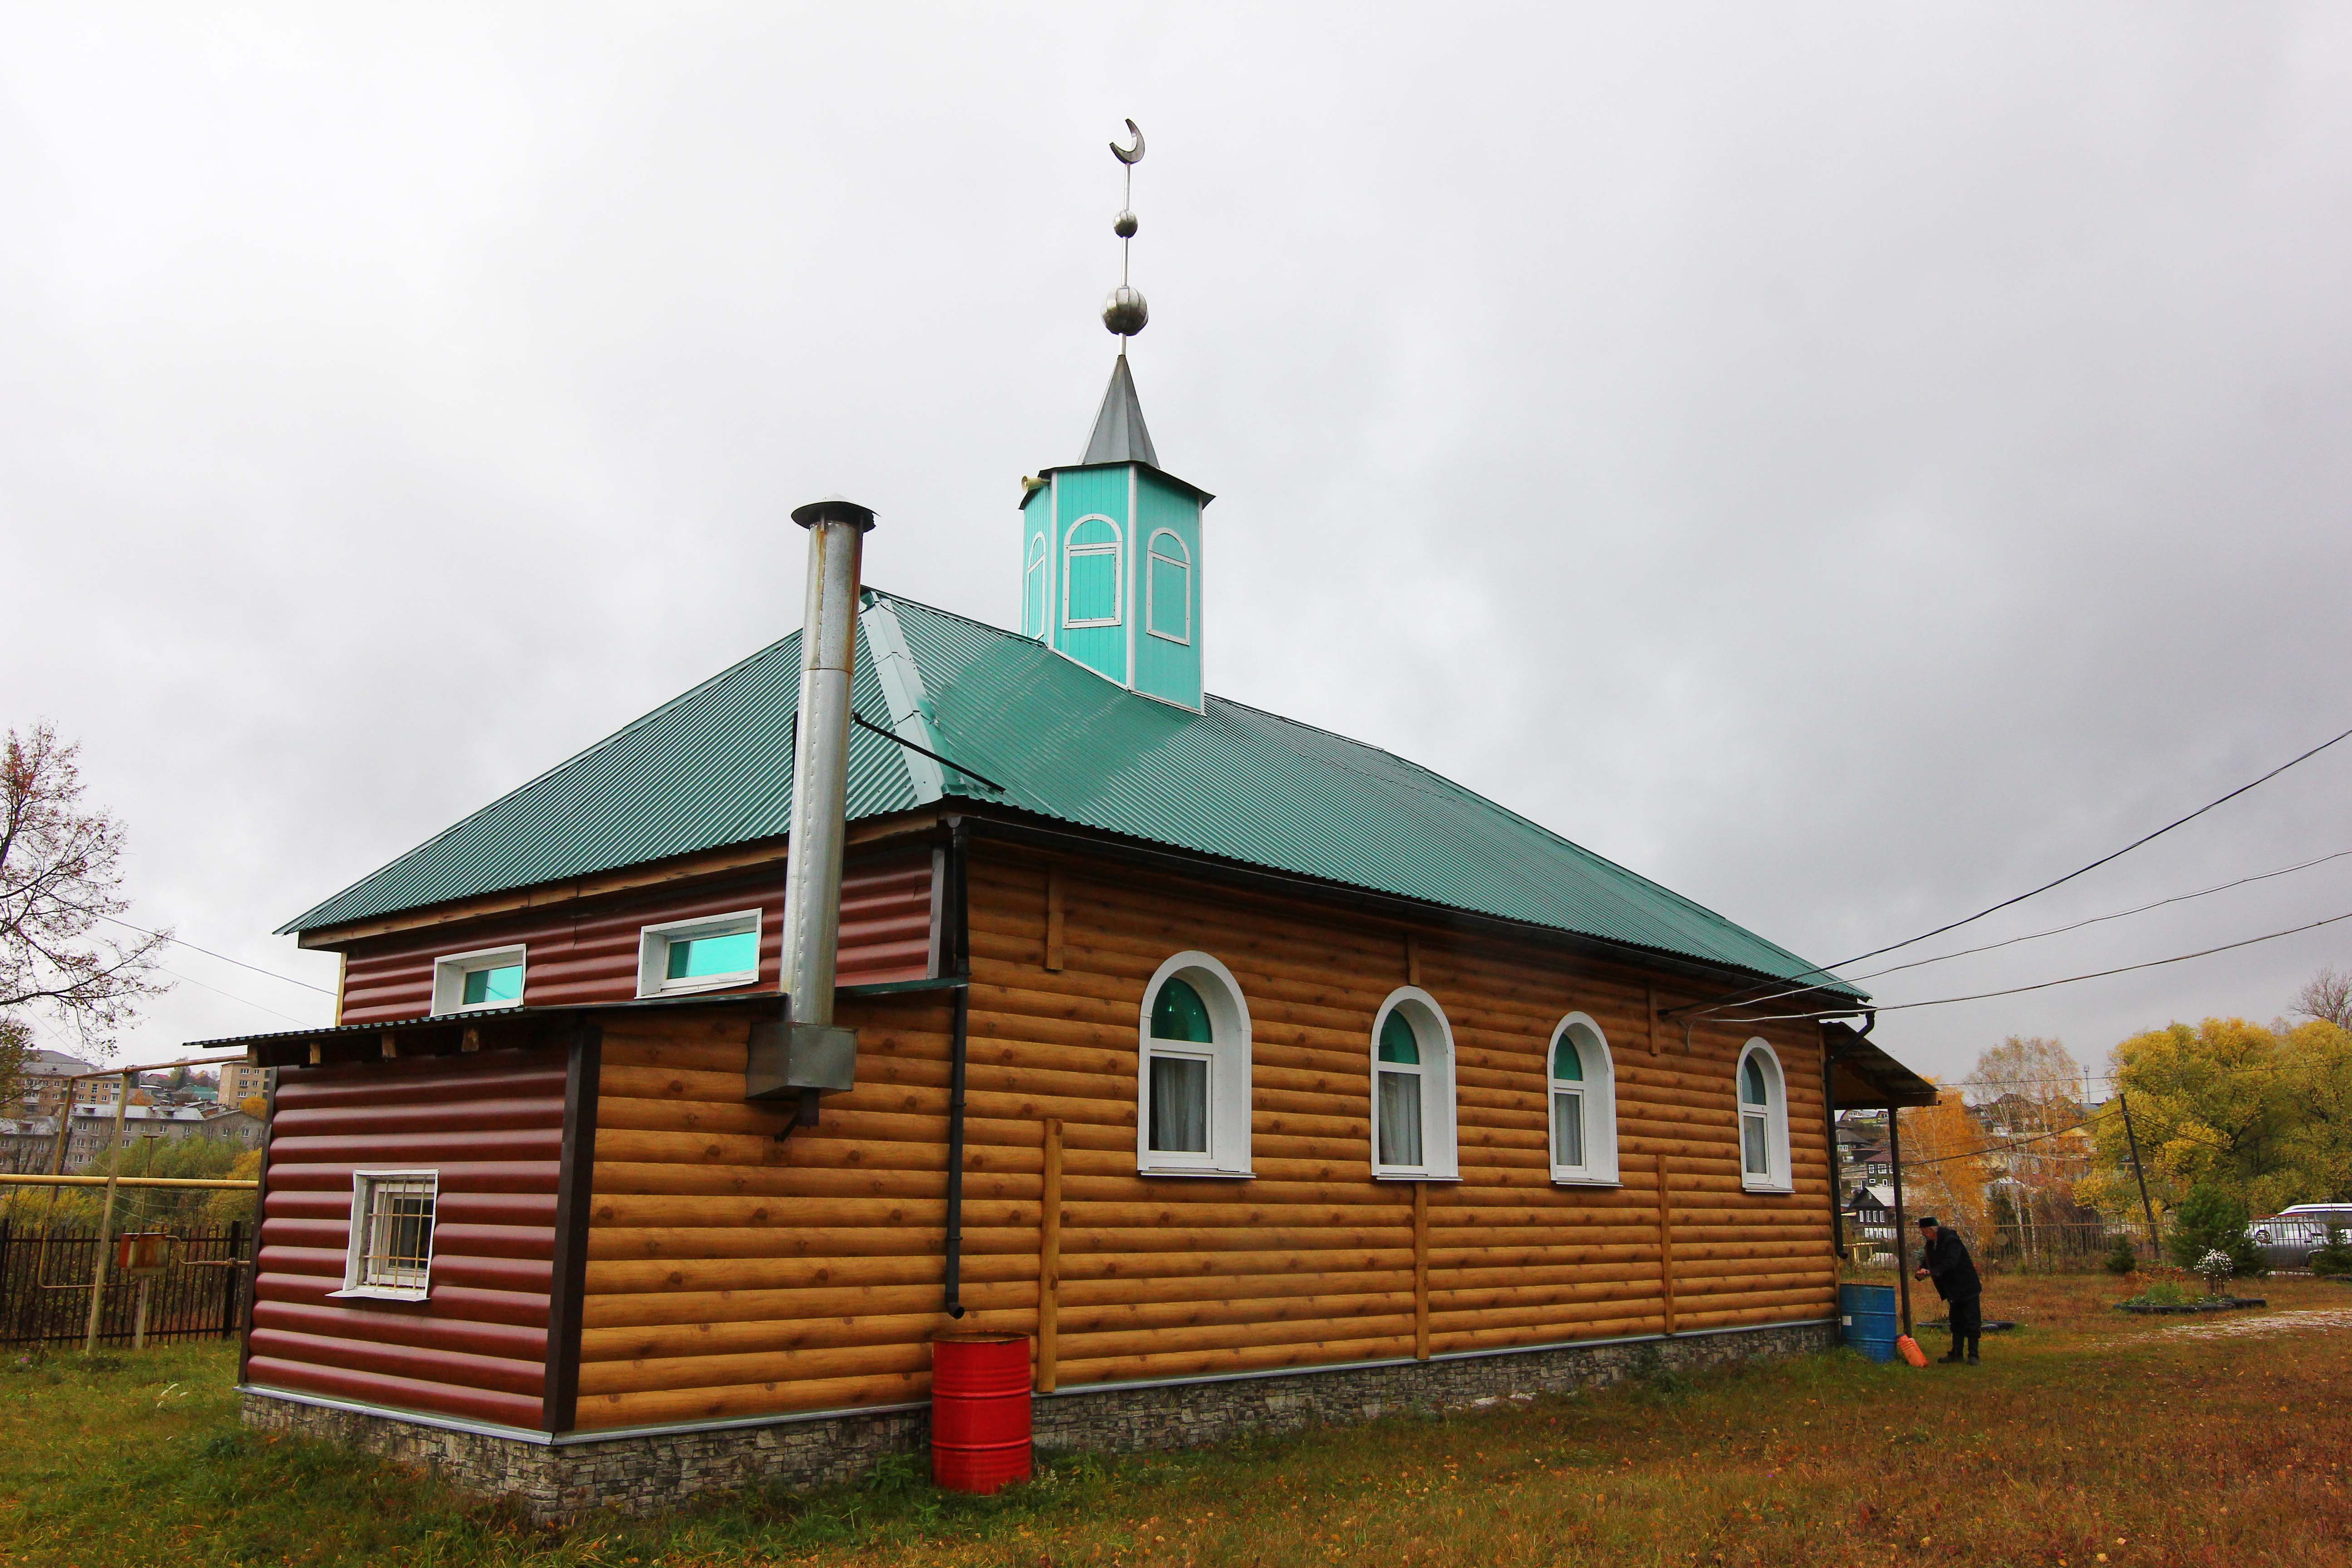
1866, 1320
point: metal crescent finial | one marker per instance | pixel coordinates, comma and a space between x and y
1125, 155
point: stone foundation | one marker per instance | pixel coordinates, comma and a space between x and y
651, 1471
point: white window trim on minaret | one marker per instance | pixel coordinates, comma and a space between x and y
1134, 527
1032, 562
1117, 549
1183, 561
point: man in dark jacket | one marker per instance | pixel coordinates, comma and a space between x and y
1946, 1260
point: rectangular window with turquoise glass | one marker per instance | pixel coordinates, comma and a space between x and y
492, 977
705, 954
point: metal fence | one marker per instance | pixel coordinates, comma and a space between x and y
44, 1284
2015, 1246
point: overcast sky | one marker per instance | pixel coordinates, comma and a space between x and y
1848, 463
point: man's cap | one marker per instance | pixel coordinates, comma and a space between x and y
1928, 1223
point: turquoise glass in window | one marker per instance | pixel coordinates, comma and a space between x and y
1752, 1083
1179, 1014
1567, 1061
485, 985
1397, 1041
693, 958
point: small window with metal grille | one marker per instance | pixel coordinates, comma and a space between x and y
390, 1251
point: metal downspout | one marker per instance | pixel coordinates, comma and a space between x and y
957, 957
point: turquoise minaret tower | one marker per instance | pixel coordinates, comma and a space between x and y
1110, 558
1110, 545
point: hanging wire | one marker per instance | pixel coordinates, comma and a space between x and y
1736, 997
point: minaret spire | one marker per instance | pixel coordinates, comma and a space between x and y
1120, 435
1125, 312
1110, 545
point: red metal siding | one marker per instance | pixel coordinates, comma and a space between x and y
587, 950
492, 1125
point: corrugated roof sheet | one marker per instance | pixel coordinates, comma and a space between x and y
711, 768
714, 768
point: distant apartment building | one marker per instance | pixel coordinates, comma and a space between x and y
27, 1143
93, 1131
240, 1082
44, 1083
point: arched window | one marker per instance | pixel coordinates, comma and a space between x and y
1583, 1095
1090, 578
1168, 588
1193, 1086
1033, 588
1413, 1090
1763, 1121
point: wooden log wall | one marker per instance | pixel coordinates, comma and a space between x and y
732, 1275
586, 950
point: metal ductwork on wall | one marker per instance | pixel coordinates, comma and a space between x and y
803, 1054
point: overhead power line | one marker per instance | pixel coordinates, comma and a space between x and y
2030, 892
243, 1000
2053, 930
225, 958
2013, 1143
2046, 984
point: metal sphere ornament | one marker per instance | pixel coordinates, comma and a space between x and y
1125, 312
1123, 226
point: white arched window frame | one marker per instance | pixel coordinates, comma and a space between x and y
1762, 1091
1168, 588
1212, 1076
1415, 1128
1033, 588
1582, 1102
1093, 538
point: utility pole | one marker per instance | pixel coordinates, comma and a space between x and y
2148, 1209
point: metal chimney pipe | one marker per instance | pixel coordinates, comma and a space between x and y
821, 755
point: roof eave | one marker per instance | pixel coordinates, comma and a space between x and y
1187, 486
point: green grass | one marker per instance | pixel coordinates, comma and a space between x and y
2086, 1432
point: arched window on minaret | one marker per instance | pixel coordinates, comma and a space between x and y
1168, 588
1033, 588
1091, 575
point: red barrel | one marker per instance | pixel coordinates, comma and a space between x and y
980, 1411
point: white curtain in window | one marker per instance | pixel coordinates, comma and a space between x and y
1180, 1105
1399, 1119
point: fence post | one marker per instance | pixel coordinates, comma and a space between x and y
7, 1295
235, 1272
105, 1218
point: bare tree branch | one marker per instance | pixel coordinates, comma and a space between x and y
60, 879
2327, 997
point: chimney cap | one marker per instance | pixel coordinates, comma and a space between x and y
833, 509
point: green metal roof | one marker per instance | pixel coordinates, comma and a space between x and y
714, 768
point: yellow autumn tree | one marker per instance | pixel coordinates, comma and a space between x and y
1944, 1170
